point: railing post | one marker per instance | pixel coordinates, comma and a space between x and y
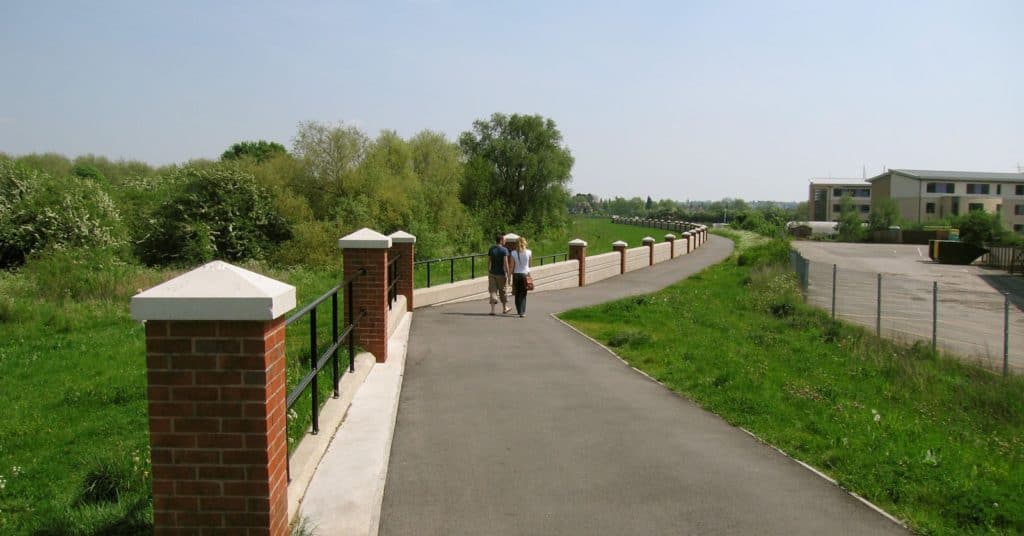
578, 251
367, 249
215, 370
878, 312
688, 236
1006, 334
834, 270
935, 314
671, 239
621, 246
405, 245
649, 242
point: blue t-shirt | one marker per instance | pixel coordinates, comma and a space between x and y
497, 254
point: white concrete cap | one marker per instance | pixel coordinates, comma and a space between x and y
619, 244
402, 237
648, 239
687, 234
215, 291
578, 242
670, 236
364, 239
511, 237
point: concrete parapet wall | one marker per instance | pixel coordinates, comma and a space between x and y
680, 246
637, 258
662, 252
398, 310
556, 276
603, 266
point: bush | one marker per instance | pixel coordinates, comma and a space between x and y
39, 212
767, 254
216, 211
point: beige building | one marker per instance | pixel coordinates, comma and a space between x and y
827, 195
922, 195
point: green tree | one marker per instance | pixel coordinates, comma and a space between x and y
980, 228
884, 214
87, 171
517, 172
649, 204
260, 151
850, 228
330, 156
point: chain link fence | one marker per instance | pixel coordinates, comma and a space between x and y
986, 327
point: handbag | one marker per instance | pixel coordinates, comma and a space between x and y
529, 282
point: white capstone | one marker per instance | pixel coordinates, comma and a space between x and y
578, 242
364, 239
215, 291
402, 237
648, 240
619, 244
687, 234
670, 236
511, 237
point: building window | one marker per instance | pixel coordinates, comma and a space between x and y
864, 209
1018, 210
999, 189
838, 192
940, 187
956, 208
835, 208
971, 207
1019, 189
929, 208
977, 188
1018, 227
862, 192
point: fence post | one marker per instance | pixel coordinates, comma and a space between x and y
649, 242
405, 245
621, 246
578, 251
671, 239
687, 235
935, 314
878, 314
1006, 334
834, 270
368, 250
215, 372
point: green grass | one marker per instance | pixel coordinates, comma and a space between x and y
598, 232
934, 441
74, 441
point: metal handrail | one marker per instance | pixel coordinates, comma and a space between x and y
451, 269
318, 360
553, 257
393, 277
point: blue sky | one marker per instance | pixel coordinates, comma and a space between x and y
681, 100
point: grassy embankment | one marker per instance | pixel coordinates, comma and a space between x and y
934, 441
74, 436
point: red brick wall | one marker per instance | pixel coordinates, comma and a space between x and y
580, 254
217, 426
622, 258
370, 292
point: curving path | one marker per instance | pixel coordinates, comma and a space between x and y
522, 426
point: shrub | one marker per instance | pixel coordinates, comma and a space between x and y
216, 211
87, 171
39, 212
82, 274
767, 254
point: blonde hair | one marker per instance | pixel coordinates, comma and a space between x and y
521, 245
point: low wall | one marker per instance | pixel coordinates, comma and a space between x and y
637, 258
681, 247
662, 252
603, 266
548, 277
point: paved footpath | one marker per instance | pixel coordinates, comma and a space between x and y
512, 425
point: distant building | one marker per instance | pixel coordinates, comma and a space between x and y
827, 195
922, 195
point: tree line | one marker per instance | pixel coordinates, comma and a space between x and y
289, 205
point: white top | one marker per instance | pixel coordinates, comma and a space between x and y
522, 262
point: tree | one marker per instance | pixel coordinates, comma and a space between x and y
649, 204
330, 156
517, 172
979, 228
260, 151
883, 215
849, 228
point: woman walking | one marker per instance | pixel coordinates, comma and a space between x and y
520, 271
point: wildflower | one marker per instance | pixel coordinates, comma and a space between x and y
878, 417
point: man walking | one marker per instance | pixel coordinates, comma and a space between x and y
499, 270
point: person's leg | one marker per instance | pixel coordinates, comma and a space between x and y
503, 294
492, 290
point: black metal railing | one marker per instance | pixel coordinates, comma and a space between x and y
393, 280
318, 360
451, 266
554, 258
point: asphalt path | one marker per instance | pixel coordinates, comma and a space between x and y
512, 425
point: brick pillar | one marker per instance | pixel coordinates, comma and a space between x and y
367, 249
578, 251
687, 235
215, 369
621, 246
671, 239
649, 242
404, 245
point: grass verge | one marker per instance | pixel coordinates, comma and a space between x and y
934, 441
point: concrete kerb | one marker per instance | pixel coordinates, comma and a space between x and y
810, 468
347, 489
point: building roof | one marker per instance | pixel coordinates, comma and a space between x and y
839, 182
924, 174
